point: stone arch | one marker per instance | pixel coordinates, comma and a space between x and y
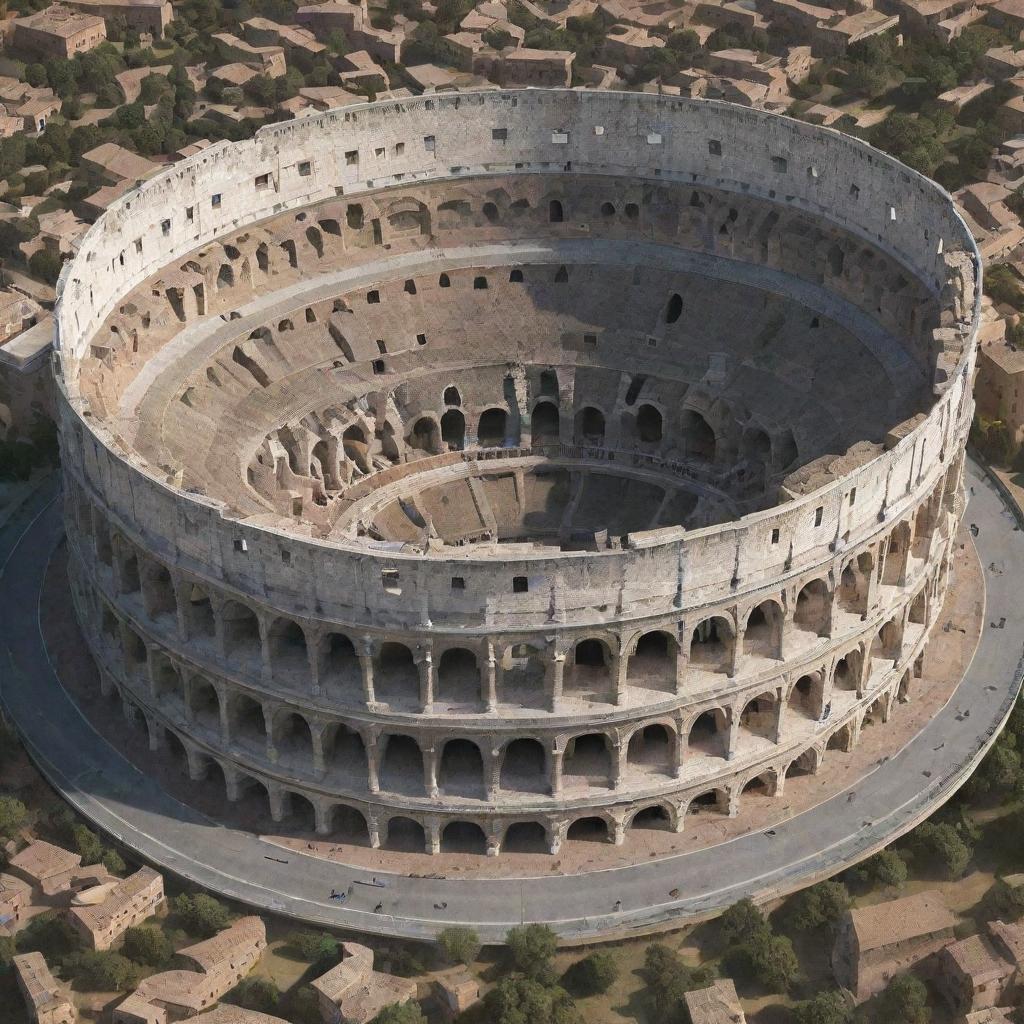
289, 654
463, 837
813, 607
919, 608
544, 423
158, 594
699, 441
711, 801
763, 783
652, 749
521, 682
589, 829
404, 835
588, 759
848, 671
887, 642
807, 696
896, 554
525, 837
524, 766
657, 817
396, 677
461, 770
841, 738
241, 633
204, 704
854, 583
762, 634
453, 430
709, 733
589, 426
252, 803
649, 424
653, 663
340, 672
293, 740
135, 652
299, 812
555, 212
492, 427
248, 725
128, 561
425, 435
458, 677
588, 671
199, 617
806, 763
168, 684
401, 767
345, 755
712, 644
348, 825
760, 715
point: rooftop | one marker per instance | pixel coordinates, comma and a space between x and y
893, 921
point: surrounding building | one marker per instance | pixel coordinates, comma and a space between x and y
45, 867
716, 1004
129, 902
45, 998
58, 31
352, 992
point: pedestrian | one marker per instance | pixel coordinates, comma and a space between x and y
377, 909
334, 894
618, 906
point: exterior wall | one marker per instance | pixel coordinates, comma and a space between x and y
874, 547
137, 908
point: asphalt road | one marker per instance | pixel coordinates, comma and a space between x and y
125, 803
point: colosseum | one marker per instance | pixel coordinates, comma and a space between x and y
476, 471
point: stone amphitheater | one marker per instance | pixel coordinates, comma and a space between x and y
482, 471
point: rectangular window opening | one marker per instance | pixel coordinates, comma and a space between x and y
458, 583
520, 585
819, 512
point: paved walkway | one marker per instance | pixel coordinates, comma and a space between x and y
128, 805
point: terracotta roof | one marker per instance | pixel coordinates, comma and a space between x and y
975, 957
100, 916
43, 860
211, 954
885, 924
716, 1004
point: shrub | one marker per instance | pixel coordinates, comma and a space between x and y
940, 847
201, 915
526, 1001
742, 921
400, 1013
102, 970
905, 999
113, 862
594, 974
767, 959
460, 945
887, 868
87, 843
260, 994
313, 946
48, 934
824, 1008
147, 945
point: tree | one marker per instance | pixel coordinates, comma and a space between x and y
35, 75
13, 814
741, 921
668, 980
102, 970
147, 945
113, 862
460, 945
48, 934
45, 265
940, 846
301, 1006
260, 994
532, 946
1003, 902
821, 904
526, 1001
201, 915
313, 946
887, 868
905, 999
824, 1008
400, 1013
594, 974
86, 842
768, 959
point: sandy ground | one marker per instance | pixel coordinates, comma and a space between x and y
953, 643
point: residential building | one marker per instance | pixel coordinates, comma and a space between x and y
128, 903
716, 1004
45, 867
353, 992
58, 31
45, 998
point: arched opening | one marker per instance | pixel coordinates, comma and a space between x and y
886, 644
490, 213
711, 645
714, 801
463, 837
461, 771
653, 664
136, 656
345, 755
674, 309
589, 427
300, 814
348, 825
225, 277
657, 818
524, 767
841, 739
709, 734
241, 634
762, 636
607, 210
453, 430
544, 424
847, 672
458, 677
525, 837
405, 836
587, 761
760, 716
248, 726
805, 764
491, 430
341, 674
589, 673
555, 212
650, 750
588, 830
130, 583
425, 436
204, 703
396, 678
355, 447
521, 682
756, 445
896, 555
253, 804
807, 695
813, 605
294, 741
170, 690
697, 436
918, 614
853, 584
401, 768
762, 785
289, 657
158, 592
199, 620
648, 424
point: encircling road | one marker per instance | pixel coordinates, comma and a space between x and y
125, 803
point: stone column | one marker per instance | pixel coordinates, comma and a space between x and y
269, 711
619, 833
366, 665
430, 759
373, 829
225, 719
373, 755
491, 680
313, 640
556, 759
619, 752
734, 734
432, 832
619, 667
780, 714
266, 672
278, 802
316, 732
556, 671
492, 773
323, 818
428, 674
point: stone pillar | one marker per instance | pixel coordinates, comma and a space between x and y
186, 685
780, 714
492, 773
734, 734
557, 837
556, 759
278, 803
156, 734
366, 664
225, 719
373, 828
734, 801
266, 673
432, 832
316, 731
619, 752
269, 711
373, 755
428, 674
556, 670
491, 680
493, 845
620, 667
682, 658
430, 759
323, 818
313, 641
182, 592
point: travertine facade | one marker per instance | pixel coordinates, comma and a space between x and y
484, 471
